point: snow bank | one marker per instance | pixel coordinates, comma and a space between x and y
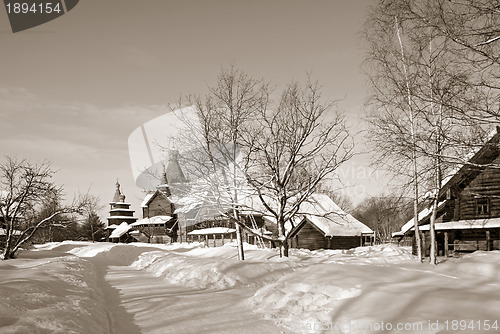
124, 254
55, 295
485, 265
191, 264
214, 268
341, 296
379, 254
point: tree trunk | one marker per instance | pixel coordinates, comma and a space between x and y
433, 252
239, 241
92, 231
7, 254
413, 140
283, 241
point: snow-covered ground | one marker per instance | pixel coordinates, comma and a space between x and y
75, 287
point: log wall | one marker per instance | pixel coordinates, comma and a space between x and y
486, 184
310, 238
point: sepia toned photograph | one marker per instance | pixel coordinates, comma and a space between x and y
266, 166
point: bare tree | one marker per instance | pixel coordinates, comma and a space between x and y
384, 215
24, 188
277, 153
92, 227
216, 137
394, 122
291, 149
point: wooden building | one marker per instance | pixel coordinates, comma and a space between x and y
468, 216
159, 220
160, 223
202, 220
322, 224
119, 213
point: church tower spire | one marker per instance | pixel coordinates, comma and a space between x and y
163, 186
174, 170
118, 193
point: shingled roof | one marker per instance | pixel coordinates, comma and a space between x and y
174, 171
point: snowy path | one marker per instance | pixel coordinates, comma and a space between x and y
159, 307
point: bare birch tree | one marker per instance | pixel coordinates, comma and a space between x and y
394, 116
216, 137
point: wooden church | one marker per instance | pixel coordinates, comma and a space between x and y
120, 214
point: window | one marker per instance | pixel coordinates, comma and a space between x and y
482, 206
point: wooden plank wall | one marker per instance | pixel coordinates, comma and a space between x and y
160, 206
486, 184
345, 242
310, 238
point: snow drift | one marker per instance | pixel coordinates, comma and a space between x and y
54, 295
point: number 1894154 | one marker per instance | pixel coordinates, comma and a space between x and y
36, 8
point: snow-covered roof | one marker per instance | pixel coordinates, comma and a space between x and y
112, 226
465, 224
122, 217
468, 157
327, 216
120, 230
421, 216
145, 202
261, 231
212, 230
15, 232
152, 220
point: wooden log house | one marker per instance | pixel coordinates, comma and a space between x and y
324, 225
468, 216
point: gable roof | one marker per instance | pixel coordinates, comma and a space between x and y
152, 195
120, 230
422, 216
476, 161
328, 218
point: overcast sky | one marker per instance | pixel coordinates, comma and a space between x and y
73, 90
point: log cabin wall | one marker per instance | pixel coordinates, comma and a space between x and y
345, 242
486, 185
145, 212
159, 206
309, 237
